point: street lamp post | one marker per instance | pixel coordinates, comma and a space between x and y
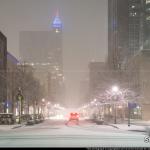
129, 112
43, 101
115, 121
115, 89
19, 97
130, 106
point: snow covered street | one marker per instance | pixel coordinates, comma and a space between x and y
54, 133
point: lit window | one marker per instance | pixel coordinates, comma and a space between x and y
60, 75
133, 14
148, 18
57, 31
147, 1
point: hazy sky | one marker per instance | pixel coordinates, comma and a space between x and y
84, 31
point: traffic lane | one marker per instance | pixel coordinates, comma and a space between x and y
49, 127
47, 134
72, 141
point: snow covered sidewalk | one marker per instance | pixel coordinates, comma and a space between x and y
129, 128
10, 127
140, 122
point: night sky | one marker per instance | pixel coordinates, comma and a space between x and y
84, 32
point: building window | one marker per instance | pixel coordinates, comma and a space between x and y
133, 14
148, 18
147, 1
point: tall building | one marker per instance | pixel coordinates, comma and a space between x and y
136, 36
135, 25
128, 30
146, 25
12, 85
117, 32
84, 93
43, 50
3, 74
98, 79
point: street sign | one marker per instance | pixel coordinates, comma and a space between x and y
132, 105
8, 103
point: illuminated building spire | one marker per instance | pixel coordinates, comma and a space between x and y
57, 24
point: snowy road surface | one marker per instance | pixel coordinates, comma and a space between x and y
54, 133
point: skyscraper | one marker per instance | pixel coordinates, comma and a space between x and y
3, 67
136, 47
117, 32
43, 50
128, 29
146, 25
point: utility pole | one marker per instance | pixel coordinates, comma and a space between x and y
129, 112
19, 98
115, 121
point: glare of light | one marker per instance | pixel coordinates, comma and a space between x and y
48, 103
110, 109
59, 116
95, 100
120, 106
138, 107
92, 102
60, 75
57, 68
115, 89
16, 111
32, 64
6, 110
57, 31
43, 100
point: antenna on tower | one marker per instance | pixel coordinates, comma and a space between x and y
57, 12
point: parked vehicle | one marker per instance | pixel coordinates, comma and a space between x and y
30, 120
7, 118
35, 118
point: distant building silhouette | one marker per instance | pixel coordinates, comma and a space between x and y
43, 50
3, 74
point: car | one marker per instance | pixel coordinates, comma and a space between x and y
7, 118
73, 116
31, 120
99, 119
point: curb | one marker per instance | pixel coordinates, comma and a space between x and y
19, 126
113, 126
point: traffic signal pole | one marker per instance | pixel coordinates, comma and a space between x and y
129, 113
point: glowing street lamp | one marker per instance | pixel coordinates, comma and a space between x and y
115, 89
43, 100
48, 103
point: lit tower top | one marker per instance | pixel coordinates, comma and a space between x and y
57, 24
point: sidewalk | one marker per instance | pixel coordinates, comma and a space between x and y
140, 122
10, 127
129, 128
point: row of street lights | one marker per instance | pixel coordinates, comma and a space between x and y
115, 95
